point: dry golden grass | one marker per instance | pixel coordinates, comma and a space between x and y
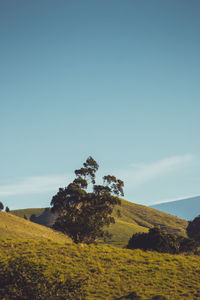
113, 272
18, 228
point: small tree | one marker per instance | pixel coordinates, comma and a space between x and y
1, 206
193, 229
7, 209
33, 218
81, 214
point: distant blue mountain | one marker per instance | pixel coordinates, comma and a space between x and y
186, 209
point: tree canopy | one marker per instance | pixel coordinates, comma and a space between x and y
193, 229
1, 206
83, 207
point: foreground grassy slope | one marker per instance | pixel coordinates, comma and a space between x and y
134, 218
113, 272
14, 227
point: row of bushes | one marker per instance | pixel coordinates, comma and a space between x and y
161, 241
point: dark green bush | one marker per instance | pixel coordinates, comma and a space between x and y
7, 209
21, 279
1, 206
160, 241
193, 229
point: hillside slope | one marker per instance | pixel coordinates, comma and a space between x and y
42, 216
139, 218
14, 227
134, 218
111, 272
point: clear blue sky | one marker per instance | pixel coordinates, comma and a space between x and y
118, 80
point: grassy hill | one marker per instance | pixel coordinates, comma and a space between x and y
28, 212
134, 218
112, 272
14, 227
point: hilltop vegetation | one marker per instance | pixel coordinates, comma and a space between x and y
111, 272
134, 218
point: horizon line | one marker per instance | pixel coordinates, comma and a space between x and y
175, 199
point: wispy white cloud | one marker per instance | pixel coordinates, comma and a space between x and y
136, 175
139, 174
35, 185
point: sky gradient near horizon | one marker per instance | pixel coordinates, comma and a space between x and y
117, 80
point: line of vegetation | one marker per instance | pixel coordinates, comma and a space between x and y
161, 241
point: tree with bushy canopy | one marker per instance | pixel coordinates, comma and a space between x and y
161, 241
83, 207
1, 206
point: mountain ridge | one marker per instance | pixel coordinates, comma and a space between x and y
187, 209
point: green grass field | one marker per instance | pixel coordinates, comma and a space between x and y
113, 272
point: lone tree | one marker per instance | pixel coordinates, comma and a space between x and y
82, 214
1, 206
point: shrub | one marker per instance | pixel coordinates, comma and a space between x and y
160, 241
21, 279
7, 209
193, 229
33, 218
